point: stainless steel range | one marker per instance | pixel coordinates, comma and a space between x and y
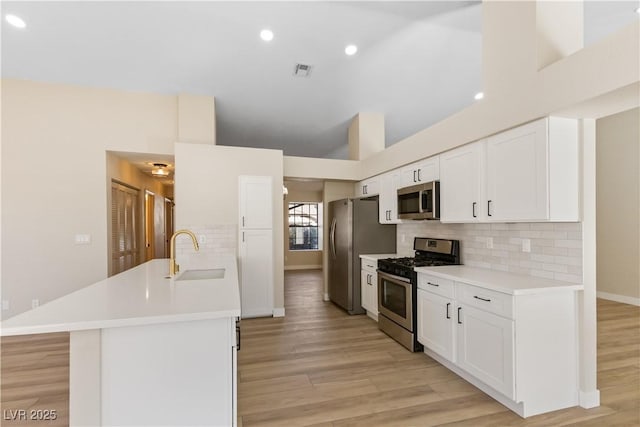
398, 287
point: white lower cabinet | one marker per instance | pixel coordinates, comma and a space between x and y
369, 287
519, 348
435, 323
485, 348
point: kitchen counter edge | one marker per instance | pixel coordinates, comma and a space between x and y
499, 281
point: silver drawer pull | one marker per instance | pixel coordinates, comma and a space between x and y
432, 284
481, 299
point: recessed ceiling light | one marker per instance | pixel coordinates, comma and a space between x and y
479, 96
16, 21
351, 49
266, 35
637, 9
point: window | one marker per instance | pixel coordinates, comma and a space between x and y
305, 228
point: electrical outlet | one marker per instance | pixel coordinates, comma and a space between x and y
526, 245
5, 304
489, 242
202, 239
35, 303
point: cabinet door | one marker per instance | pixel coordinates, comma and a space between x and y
365, 297
255, 201
461, 181
373, 293
435, 323
256, 272
388, 202
421, 172
368, 187
485, 348
429, 170
517, 178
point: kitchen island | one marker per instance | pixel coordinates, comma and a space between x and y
146, 349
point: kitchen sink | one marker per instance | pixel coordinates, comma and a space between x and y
214, 273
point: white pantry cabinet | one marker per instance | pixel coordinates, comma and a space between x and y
368, 187
520, 347
420, 172
388, 201
369, 287
256, 272
256, 200
256, 246
527, 174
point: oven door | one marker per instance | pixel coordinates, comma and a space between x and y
394, 299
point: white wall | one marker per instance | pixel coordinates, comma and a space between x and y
206, 191
54, 143
618, 206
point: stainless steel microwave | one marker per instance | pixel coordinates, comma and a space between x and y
420, 201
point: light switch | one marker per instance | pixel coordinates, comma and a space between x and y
202, 239
83, 239
35, 303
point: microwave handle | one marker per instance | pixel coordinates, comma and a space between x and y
332, 237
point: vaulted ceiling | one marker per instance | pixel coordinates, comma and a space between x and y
417, 62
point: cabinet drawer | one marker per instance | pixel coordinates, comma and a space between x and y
369, 265
436, 285
485, 299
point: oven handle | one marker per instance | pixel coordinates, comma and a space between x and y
393, 277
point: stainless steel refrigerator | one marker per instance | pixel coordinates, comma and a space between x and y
354, 230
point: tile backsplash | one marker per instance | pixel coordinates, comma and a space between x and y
556, 248
218, 240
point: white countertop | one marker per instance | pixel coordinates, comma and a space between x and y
375, 257
139, 296
500, 281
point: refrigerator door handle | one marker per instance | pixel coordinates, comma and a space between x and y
332, 237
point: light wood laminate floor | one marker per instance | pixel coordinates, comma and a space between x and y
318, 366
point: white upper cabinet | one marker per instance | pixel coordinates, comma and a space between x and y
368, 187
255, 202
388, 202
420, 172
461, 184
529, 173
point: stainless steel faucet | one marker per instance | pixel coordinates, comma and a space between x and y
173, 266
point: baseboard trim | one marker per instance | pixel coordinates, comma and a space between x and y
326, 297
589, 399
278, 312
303, 267
618, 298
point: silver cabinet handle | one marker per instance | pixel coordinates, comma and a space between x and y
419, 179
473, 210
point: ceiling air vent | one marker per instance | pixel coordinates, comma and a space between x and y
302, 70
